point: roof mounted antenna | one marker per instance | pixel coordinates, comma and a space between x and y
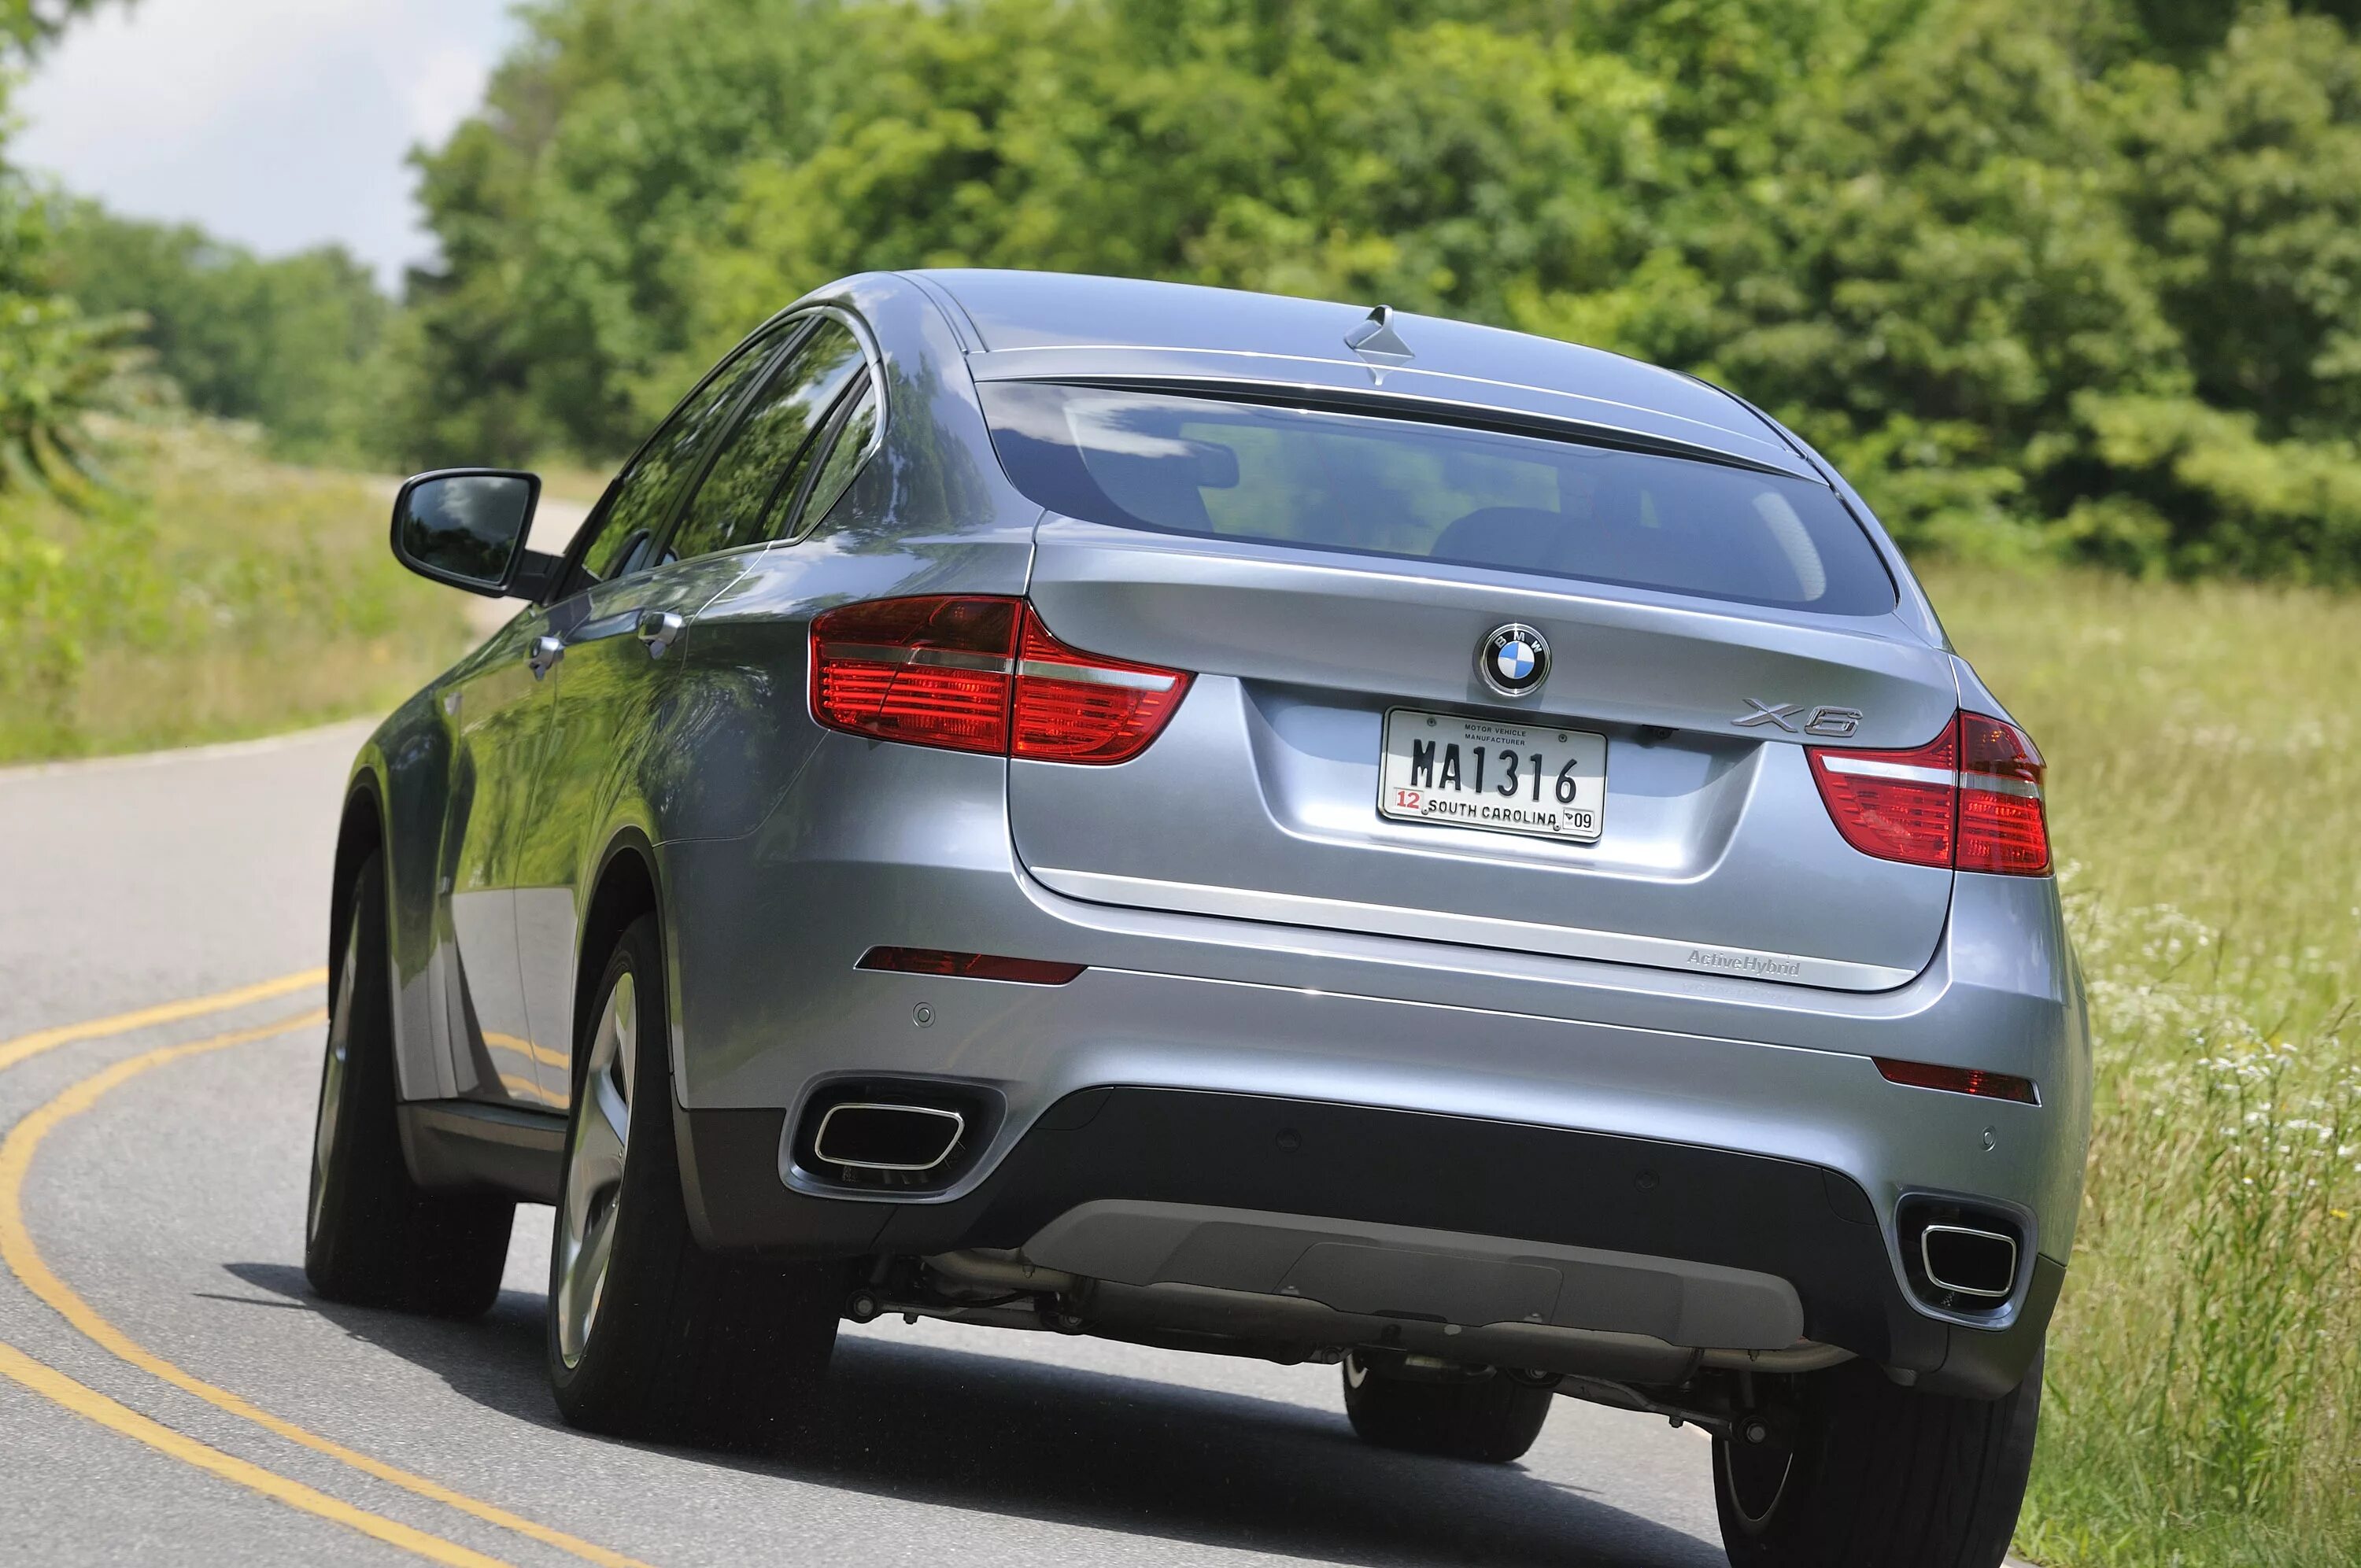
1375, 341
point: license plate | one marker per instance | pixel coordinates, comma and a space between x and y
1505, 778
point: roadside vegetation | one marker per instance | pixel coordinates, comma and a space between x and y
165, 577
206, 593
2203, 1401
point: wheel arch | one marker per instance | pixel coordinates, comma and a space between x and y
626, 885
360, 831
629, 883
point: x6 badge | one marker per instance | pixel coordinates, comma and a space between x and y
1837, 722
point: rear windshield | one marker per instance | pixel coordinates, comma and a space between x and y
1392, 486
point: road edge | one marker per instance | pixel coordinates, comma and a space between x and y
209, 751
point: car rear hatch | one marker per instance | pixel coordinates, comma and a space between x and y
1178, 541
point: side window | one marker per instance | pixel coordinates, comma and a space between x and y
643, 497
755, 475
854, 426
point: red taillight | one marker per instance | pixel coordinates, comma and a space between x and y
1957, 1079
2002, 826
933, 671
1969, 798
979, 674
1081, 708
1897, 806
968, 965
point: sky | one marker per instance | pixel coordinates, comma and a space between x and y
280, 124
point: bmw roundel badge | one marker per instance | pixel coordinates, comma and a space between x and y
1514, 660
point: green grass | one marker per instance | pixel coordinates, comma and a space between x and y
210, 594
2203, 1399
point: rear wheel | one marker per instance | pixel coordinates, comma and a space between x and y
371, 1235
1864, 1474
1489, 1419
650, 1336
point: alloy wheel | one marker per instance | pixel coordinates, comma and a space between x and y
1755, 1478
333, 1067
594, 1169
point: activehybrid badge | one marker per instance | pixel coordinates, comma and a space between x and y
1514, 660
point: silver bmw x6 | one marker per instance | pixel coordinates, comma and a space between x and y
1235, 823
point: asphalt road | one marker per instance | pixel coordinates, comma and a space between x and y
171, 1392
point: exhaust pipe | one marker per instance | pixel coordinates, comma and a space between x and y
989, 1269
903, 1139
1969, 1261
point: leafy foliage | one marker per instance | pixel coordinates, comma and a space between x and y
287, 343
25, 25
56, 362
2079, 280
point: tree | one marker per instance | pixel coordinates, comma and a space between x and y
26, 25
2076, 280
56, 362
283, 342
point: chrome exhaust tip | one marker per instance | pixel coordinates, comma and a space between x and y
1968, 1260
902, 1139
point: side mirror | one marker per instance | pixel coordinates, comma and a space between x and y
467, 527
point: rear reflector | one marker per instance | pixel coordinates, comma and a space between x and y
982, 673
1970, 798
969, 966
1958, 1080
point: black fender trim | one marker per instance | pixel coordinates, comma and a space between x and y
1984, 1364
737, 1202
466, 1146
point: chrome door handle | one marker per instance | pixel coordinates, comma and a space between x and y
545, 653
658, 630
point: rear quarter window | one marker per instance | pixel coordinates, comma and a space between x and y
1405, 488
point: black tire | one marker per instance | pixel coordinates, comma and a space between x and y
1875, 1475
680, 1344
1491, 1420
372, 1236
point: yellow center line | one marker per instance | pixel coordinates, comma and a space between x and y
33, 1045
82, 1401
23, 1259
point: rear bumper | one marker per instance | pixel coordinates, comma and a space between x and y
1619, 1235
794, 1015
763, 935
